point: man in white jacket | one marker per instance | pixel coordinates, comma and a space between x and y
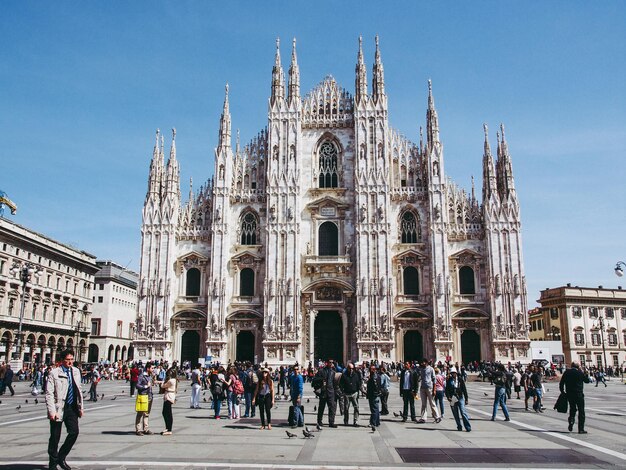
64, 402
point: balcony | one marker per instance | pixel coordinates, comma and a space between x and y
417, 300
339, 264
468, 299
191, 300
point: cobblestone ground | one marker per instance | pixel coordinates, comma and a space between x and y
529, 440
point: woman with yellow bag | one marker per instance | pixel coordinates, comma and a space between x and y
143, 405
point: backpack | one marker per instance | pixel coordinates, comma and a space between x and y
218, 388
237, 386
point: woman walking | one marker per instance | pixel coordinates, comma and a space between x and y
264, 397
232, 396
440, 385
169, 389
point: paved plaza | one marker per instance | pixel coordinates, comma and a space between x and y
529, 440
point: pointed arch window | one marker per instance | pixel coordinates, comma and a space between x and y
328, 240
246, 283
328, 163
411, 283
193, 283
409, 228
248, 229
467, 285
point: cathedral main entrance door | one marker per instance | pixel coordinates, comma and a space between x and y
245, 346
190, 349
328, 337
413, 346
470, 346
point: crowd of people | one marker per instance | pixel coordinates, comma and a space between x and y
242, 387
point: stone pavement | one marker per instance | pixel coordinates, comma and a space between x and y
530, 440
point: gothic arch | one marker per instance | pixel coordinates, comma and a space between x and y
470, 312
328, 170
410, 230
248, 227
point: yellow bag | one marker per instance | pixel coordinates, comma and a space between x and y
141, 405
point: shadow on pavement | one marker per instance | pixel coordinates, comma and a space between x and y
118, 433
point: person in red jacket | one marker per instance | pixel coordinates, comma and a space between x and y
134, 374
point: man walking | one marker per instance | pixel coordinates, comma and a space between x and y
408, 390
64, 402
195, 387
427, 392
350, 385
144, 387
134, 376
8, 380
456, 392
499, 380
95, 379
327, 394
296, 389
374, 390
572, 383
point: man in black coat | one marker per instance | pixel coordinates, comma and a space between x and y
327, 394
408, 390
572, 383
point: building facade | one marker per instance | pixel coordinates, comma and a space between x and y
330, 234
57, 303
590, 322
114, 313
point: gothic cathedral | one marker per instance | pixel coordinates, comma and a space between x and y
330, 235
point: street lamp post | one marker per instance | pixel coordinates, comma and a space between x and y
24, 271
79, 329
600, 325
619, 268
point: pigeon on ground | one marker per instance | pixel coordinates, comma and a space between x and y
36, 402
123, 391
18, 407
315, 408
307, 434
25, 401
102, 397
113, 398
204, 400
308, 400
306, 428
373, 428
290, 434
185, 390
486, 394
396, 414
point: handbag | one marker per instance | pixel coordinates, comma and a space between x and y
141, 405
561, 403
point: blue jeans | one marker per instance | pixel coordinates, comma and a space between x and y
439, 400
375, 411
500, 399
298, 419
459, 409
217, 404
537, 401
248, 398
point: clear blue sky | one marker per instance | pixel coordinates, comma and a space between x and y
84, 85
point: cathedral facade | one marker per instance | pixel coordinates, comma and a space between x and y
331, 235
